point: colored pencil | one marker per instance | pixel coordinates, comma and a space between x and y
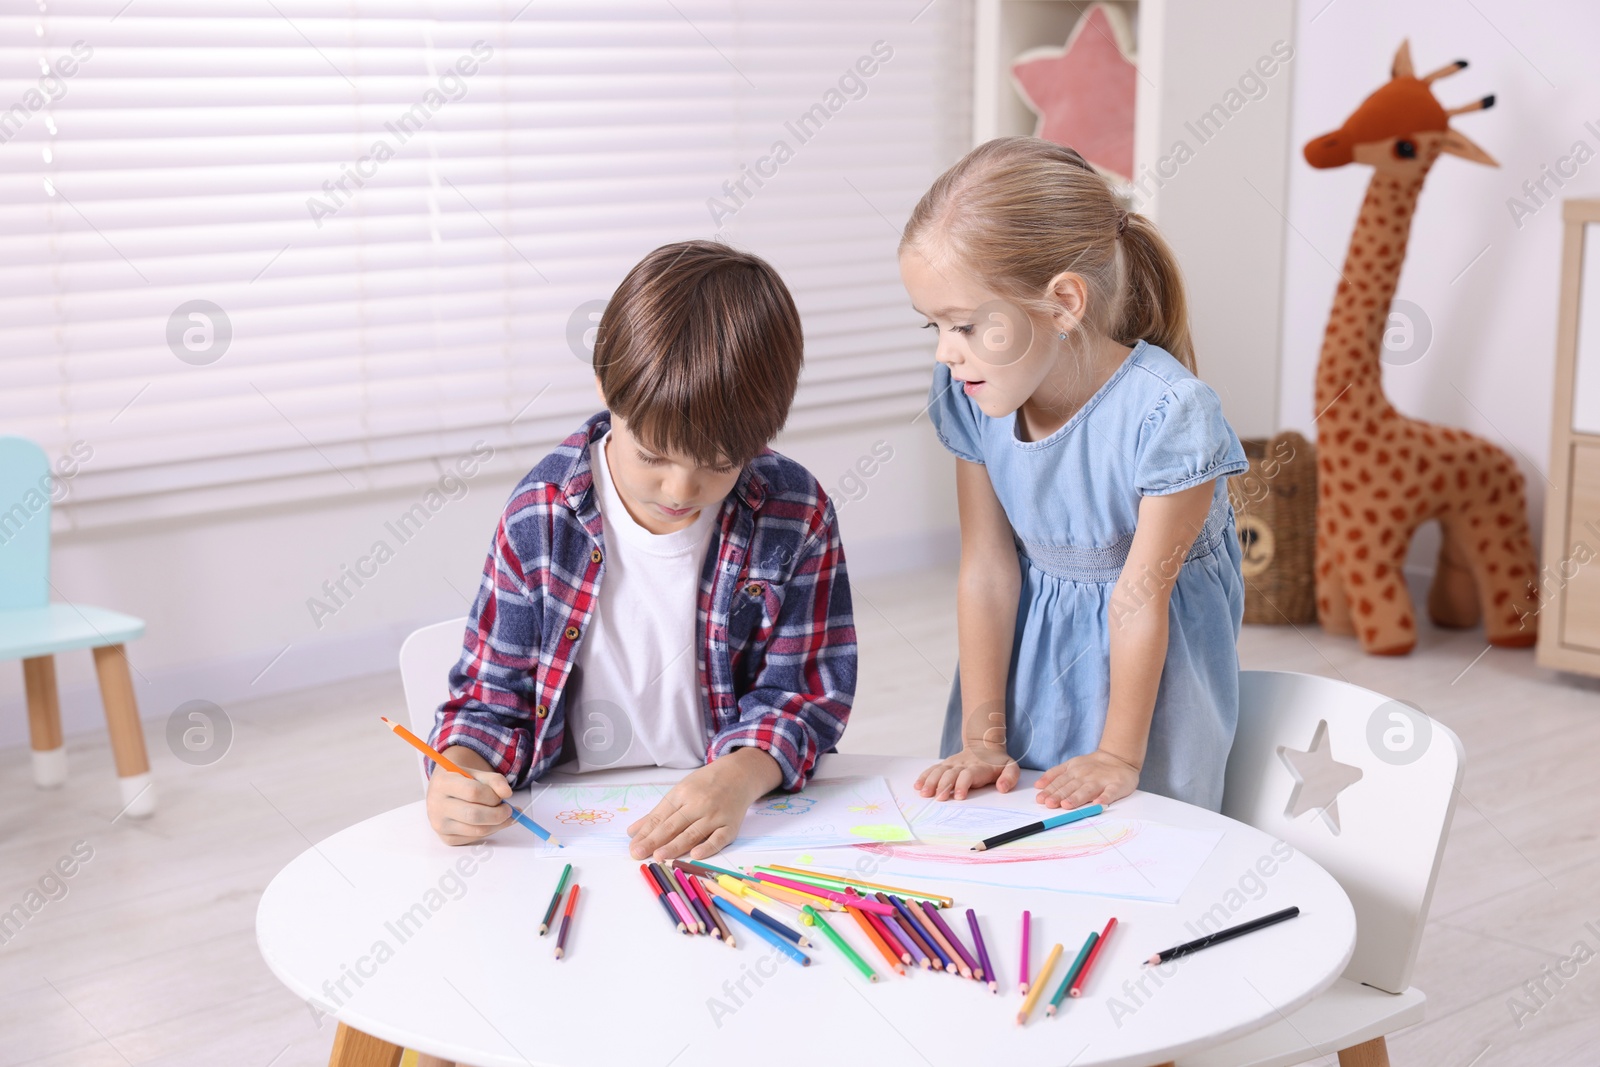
864, 921
751, 893
716, 915
796, 899
843, 946
689, 897
707, 869
438, 757
1038, 827
1022, 979
778, 926
555, 899
858, 901
970, 967
1224, 935
1094, 953
1073, 972
939, 960
983, 952
829, 880
1038, 984
888, 928
566, 921
955, 962
766, 934
655, 887
756, 914
918, 945
700, 893
679, 905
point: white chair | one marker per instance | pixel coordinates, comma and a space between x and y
1391, 826
426, 656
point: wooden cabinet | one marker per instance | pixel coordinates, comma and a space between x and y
1569, 576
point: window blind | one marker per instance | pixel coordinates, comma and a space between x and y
280, 250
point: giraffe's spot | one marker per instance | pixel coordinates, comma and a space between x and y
1360, 445
1372, 635
1405, 622
1356, 580
1412, 490
1381, 493
1492, 567
1404, 452
1364, 606
1472, 455
1389, 591
1371, 516
1386, 536
1354, 534
1423, 463
1503, 520
1381, 457
1344, 509
1438, 483
1500, 597
1364, 476
1483, 546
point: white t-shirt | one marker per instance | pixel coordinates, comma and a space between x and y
633, 699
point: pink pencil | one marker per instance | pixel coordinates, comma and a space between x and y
680, 906
1022, 986
853, 900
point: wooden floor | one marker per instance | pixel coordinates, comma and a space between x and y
150, 958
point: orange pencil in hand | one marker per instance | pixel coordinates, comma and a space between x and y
438, 757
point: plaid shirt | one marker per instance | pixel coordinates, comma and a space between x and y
776, 653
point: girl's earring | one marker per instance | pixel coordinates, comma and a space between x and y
1063, 337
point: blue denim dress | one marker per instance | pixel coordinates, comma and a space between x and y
1073, 501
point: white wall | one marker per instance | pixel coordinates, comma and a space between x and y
1486, 283
1214, 94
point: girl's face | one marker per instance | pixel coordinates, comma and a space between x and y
663, 493
997, 353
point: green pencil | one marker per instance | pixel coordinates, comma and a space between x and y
839, 943
1072, 972
550, 912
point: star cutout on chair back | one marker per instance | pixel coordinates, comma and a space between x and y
1084, 91
1318, 778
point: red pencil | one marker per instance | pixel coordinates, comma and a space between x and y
1094, 953
566, 920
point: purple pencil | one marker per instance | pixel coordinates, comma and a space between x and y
955, 943
983, 953
1022, 985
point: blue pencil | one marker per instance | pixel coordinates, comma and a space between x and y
1038, 827
942, 962
766, 933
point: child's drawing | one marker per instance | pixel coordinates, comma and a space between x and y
585, 816
826, 814
786, 805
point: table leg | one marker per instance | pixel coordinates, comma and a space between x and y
44, 721
352, 1048
1374, 1053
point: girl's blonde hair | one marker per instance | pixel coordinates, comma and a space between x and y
1017, 211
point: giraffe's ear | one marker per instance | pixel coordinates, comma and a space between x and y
1458, 145
1402, 67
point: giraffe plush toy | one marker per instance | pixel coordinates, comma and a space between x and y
1382, 474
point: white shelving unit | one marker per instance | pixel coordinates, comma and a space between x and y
1230, 242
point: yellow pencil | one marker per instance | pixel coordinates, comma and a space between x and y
1037, 988
796, 899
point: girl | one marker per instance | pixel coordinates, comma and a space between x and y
1099, 597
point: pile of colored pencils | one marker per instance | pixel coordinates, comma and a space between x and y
903, 926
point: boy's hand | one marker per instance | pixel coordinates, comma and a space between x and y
1097, 778
971, 768
701, 815
464, 810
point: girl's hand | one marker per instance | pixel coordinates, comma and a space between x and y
701, 815
1098, 778
971, 768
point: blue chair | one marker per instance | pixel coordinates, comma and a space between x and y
33, 629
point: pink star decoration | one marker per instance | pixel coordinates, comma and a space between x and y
1083, 92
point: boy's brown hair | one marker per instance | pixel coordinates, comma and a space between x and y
699, 352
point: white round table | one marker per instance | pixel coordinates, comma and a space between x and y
409, 942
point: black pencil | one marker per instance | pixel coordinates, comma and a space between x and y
1223, 935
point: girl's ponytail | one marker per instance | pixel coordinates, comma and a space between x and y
1154, 306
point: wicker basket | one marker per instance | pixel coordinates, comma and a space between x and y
1275, 508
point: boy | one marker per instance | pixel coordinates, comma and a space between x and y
662, 589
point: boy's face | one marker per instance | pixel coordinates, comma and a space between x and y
996, 353
663, 493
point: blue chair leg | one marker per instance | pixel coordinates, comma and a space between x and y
127, 736
44, 722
